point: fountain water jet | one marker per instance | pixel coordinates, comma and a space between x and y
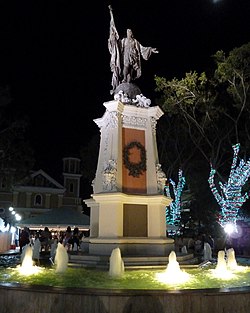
173, 273
27, 258
221, 262
116, 264
231, 261
61, 259
27, 267
173, 265
207, 255
226, 268
36, 249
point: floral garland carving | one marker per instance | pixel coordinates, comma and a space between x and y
135, 169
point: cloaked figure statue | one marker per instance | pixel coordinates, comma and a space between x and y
126, 53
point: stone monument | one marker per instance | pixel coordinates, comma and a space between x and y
128, 202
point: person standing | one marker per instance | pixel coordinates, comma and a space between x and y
45, 238
67, 241
75, 239
24, 238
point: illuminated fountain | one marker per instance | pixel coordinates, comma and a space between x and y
27, 264
227, 265
30, 253
221, 262
173, 274
61, 259
207, 254
231, 261
36, 249
116, 264
27, 257
189, 289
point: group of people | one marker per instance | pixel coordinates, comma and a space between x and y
71, 239
195, 244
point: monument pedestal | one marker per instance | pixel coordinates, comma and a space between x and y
134, 223
135, 246
128, 204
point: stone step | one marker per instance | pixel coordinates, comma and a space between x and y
130, 261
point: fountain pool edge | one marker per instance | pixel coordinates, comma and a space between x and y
45, 299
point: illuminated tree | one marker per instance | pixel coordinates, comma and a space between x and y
229, 195
205, 113
173, 212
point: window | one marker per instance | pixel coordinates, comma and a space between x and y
39, 181
66, 166
72, 167
3, 183
71, 187
38, 200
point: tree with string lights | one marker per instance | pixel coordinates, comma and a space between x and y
173, 211
229, 195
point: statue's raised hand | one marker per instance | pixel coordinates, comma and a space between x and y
154, 50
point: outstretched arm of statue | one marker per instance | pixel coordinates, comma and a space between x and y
154, 50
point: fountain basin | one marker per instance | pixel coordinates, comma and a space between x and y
93, 291
46, 299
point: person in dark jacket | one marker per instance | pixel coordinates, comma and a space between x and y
24, 238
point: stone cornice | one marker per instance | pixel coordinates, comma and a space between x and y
38, 189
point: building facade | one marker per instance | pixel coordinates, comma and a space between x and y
39, 193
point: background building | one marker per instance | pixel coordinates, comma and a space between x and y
39, 193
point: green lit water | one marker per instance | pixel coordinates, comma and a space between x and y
136, 279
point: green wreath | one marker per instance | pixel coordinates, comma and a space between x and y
135, 169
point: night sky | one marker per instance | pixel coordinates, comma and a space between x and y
55, 59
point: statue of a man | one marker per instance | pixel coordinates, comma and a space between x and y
125, 62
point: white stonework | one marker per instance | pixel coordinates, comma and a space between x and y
161, 178
108, 201
116, 117
109, 176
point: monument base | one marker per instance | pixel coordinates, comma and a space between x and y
132, 246
134, 223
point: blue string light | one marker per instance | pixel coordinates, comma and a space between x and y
229, 195
173, 211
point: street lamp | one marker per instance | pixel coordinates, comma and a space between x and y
18, 217
9, 216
